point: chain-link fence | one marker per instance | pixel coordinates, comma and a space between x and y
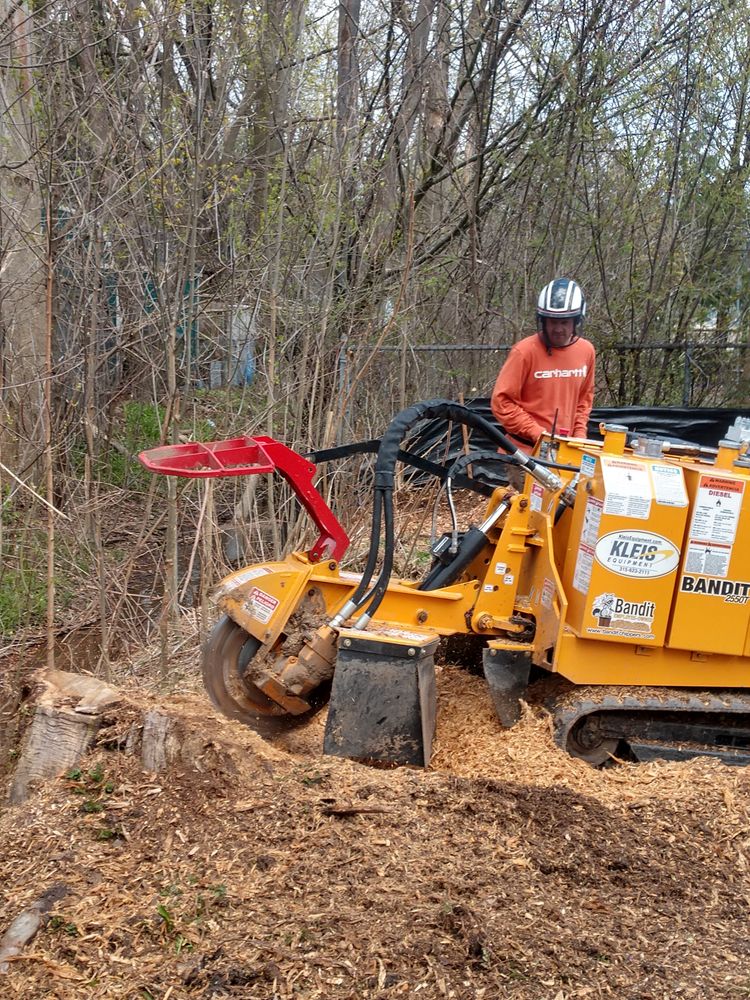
707, 373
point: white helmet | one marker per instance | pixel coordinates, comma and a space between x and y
562, 298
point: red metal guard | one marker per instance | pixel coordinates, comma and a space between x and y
246, 456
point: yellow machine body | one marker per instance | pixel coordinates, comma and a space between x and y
646, 581
622, 565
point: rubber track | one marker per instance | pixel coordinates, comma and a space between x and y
579, 702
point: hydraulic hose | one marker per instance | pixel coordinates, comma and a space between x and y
475, 539
458, 413
384, 474
372, 601
388, 454
458, 466
355, 600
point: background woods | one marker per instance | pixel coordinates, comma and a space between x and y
227, 217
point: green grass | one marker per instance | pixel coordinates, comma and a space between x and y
23, 597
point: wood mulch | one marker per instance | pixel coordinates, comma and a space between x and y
258, 870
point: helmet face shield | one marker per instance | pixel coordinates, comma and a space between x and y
563, 299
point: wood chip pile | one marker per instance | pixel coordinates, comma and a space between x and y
268, 871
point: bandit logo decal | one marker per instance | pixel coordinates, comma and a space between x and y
733, 591
616, 616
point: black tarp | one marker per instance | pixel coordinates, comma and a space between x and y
693, 425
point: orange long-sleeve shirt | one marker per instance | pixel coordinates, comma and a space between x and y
536, 382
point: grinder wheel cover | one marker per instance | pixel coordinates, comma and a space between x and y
226, 655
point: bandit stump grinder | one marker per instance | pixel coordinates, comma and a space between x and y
622, 566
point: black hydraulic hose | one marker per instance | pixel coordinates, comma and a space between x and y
415, 461
388, 454
372, 601
430, 409
478, 456
372, 555
384, 477
462, 462
548, 463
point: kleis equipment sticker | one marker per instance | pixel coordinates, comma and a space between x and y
639, 554
260, 604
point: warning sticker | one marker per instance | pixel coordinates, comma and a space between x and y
260, 604
628, 488
717, 509
237, 579
710, 560
592, 517
584, 566
669, 485
548, 592
535, 500
588, 465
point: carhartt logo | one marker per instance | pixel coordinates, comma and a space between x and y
563, 372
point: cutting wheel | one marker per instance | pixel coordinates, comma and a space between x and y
226, 655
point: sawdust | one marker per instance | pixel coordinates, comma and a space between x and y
259, 870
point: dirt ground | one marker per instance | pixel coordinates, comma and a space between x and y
258, 870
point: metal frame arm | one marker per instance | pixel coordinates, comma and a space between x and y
247, 456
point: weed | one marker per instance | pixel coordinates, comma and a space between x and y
182, 944
96, 774
139, 427
170, 890
92, 786
59, 923
166, 916
23, 575
23, 595
316, 778
107, 833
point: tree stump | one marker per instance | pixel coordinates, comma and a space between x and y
67, 717
160, 743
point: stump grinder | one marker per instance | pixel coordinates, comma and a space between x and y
622, 567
